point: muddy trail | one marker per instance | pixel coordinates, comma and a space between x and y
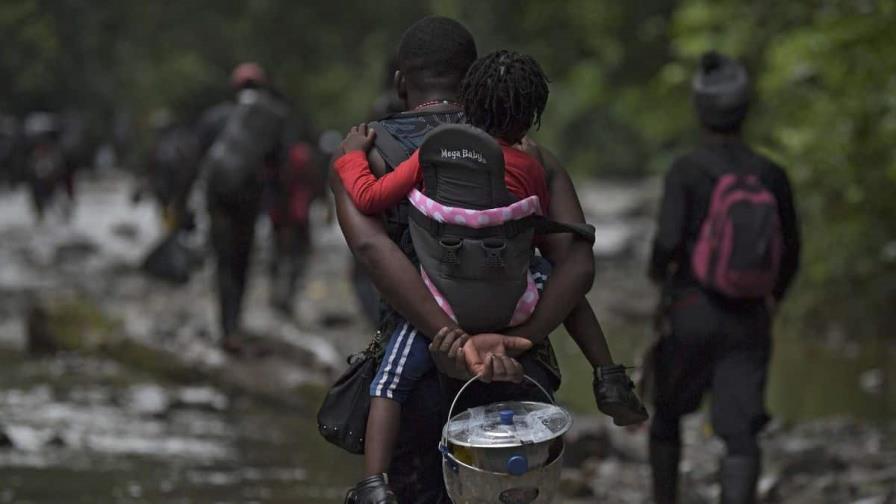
132, 401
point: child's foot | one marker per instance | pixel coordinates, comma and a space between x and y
372, 490
615, 394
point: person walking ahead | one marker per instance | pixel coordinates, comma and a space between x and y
726, 251
243, 139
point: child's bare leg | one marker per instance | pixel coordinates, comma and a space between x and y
382, 434
583, 326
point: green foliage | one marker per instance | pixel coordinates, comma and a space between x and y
619, 104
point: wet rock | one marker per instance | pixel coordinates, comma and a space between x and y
586, 440
620, 212
617, 199
878, 499
56, 441
40, 338
5, 441
205, 398
29, 439
872, 381
13, 332
126, 231
151, 400
74, 250
816, 460
573, 483
613, 239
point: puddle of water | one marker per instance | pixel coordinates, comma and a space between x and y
107, 434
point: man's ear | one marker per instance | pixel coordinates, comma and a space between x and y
401, 86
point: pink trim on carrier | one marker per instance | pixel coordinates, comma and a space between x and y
478, 219
475, 219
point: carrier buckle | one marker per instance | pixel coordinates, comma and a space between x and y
450, 246
494, 252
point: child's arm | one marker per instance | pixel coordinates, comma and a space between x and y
585, 330
370, 194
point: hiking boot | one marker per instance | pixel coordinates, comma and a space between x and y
373, 490
615, 394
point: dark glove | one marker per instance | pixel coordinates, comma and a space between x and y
615, 395
373, 490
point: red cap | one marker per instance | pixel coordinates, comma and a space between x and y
244, 73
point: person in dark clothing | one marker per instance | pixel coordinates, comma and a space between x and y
171, 168
243, 141
716, 343
291, 191
45, 163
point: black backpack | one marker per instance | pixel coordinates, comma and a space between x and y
252, 130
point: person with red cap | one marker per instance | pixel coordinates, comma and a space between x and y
248, 74
241, 140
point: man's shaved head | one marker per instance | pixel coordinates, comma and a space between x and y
436, 51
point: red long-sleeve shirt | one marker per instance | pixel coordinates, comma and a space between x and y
523, 175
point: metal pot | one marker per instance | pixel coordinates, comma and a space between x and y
509, 452
469, 485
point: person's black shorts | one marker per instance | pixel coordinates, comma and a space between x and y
718, 347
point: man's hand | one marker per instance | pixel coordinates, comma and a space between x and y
446, 349
359, 138
488, 352
501, 368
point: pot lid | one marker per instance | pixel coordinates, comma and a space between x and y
508, 424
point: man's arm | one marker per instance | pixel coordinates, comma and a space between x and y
390, 270
572, 258
790, 232
668, 241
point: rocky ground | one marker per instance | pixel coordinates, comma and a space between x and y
148, 387
825, 461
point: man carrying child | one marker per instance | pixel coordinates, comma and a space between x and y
502, 94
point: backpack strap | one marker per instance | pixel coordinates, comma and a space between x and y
392, 151
715, 165
711, 163
543, 225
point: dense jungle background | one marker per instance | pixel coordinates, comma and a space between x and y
824, 74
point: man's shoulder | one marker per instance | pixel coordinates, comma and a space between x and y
764, 162
376, 162
689, 161
549, 162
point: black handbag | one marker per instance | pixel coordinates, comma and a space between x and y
342, 418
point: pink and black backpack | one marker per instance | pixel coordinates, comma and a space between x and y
738, 251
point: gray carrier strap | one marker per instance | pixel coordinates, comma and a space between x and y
544, 225
510, 229
392, 151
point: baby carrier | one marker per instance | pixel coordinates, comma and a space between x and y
472, 236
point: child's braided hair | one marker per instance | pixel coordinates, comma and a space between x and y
504, 94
